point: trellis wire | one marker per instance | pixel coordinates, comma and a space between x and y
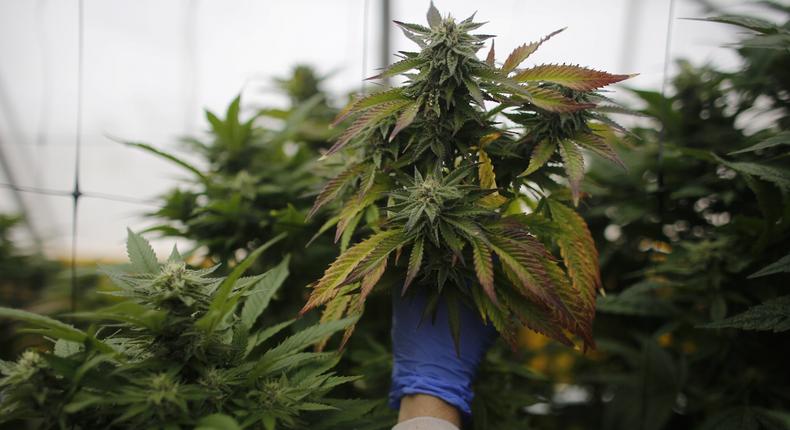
91, 194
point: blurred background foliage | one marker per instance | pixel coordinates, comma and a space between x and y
692, 330
255, 177
31, 281
693, 239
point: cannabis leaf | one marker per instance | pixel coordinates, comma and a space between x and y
183, 350
772, 315
435, 174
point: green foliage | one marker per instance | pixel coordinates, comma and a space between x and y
251, 178
182, 350
17, 268
31, 280
692, 332
771, 315
438, 175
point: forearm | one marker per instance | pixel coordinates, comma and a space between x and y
423, 405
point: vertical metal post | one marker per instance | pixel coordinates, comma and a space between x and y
386, 27
664, 83
76, 193
631, 34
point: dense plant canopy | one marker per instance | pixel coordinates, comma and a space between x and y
251, 178
182, 350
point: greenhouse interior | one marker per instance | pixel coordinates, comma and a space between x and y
391, 214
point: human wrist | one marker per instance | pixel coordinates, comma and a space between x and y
424, 405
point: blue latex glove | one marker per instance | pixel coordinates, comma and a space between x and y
424, 357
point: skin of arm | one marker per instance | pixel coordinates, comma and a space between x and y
424, 405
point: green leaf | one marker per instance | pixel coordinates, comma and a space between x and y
260, 295
222, 302
638, 299
415, 261
166, 156
645, 402
573, 162
333, 187
306, 337
474, 91
484, 267
540, 155
336, 308
454, 319
580, 256
347, 230
780, 266
310, 406
485, 170
368, 119
372, 278
779, 42
174, 256
751, 23
434, 17
217, 422
523, 52
526, 265
782, 138
355, 208
599, 146
65, 348
129, 312
351, 411
264, 335
342, 267
53, 328
399, 67
766, 172
772, 315
359, 104
375, 258
535, 316
140, 253
491, 57
405, 119
573, 77
737, 418
551, 100
577, 248
419, 40
80, 401
419, 29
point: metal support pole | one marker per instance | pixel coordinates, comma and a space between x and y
386, 27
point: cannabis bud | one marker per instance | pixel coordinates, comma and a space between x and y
443, 168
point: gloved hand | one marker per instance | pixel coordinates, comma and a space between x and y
424, 357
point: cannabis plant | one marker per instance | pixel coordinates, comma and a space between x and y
22, 274
252, 177
693, 331
181, 350
30, 280
713, 290
442, 168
